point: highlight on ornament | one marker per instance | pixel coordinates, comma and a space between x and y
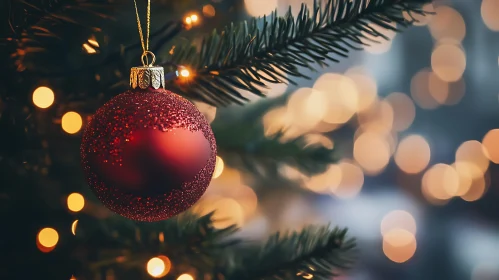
47, 239
158, 266
43, 97
71, 122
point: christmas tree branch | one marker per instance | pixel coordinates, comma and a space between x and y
250, 54
245, 144
314, 253
186, 238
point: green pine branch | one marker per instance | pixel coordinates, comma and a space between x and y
314, 253
250, 54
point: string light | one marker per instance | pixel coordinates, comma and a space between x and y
43, 97
76, 202
158, 266
71, 122
47, 239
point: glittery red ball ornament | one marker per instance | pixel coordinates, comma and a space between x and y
148, 154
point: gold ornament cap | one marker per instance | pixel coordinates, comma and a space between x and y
147, 75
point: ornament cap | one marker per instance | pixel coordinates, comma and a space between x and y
147, 76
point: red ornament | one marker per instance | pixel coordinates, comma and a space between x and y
148, 154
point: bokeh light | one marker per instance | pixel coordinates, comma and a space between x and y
378, 118
47, 239
398, 219
306, 108
476, 190
258, 8
352, 180
367, 91
159, 266
404, 110
399, 245
447, 24
43, 97
209, 10
490, 146
372, 152
470, 156
420, 91
75, 202
73, 227
448, 61
339, 97
71, 122
227, 211
219, 167
413, 154
185, 276
489, 11
440, 182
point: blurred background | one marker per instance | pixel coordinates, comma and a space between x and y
413, 122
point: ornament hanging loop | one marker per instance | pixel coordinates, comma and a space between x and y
145, 59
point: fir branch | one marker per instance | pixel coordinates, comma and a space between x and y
314, 253
250, 54
186, 238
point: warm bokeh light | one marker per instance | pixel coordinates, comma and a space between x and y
71, 122
340, 97
75, 202
476, 190
306, 108
209, 10
398, 219
448, 61
413, 154
326, 182
447, 23
258, 8
490, 145
470, 155
194, 18
438, 88
188, 20
43, 97
367, 90
378, 118
489, 11
372, 152
219, 167
352, 180
440, 182
399, 245
185, 276
73, 227
276, 120
47, 238
420, 90
404, 110
159, 266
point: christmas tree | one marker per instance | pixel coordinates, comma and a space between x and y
62, 60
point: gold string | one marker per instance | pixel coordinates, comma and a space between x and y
145, 43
